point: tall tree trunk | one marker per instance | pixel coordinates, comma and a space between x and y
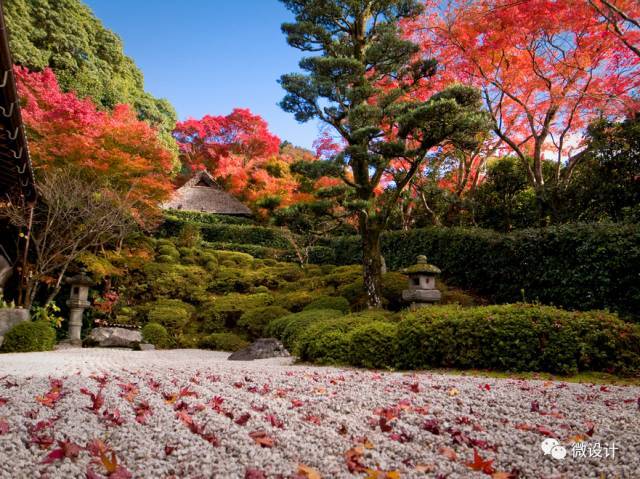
371, 262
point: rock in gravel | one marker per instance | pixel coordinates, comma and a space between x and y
262, 348
114, 338
147, 347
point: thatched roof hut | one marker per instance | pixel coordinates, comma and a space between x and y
201, 194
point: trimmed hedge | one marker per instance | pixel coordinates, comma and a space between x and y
288, 328
518, 337
578, 266
371, 345
255, 320
223, 342
329, 302
156, 334
29, 336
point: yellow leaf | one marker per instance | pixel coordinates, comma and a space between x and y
453, 392
392, 475
308, 472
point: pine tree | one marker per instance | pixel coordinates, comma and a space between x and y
362, 82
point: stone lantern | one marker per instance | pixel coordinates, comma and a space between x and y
78, 302
422, 283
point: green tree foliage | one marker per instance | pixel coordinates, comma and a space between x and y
86, 57
362, 83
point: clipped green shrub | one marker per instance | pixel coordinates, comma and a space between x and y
329, 302
517, 337
287, 328
392, 286
223, 312
173, 281
156, 334
29, 336
173, 314
294, 301
223, 342
255, 320
372, 345
326, 341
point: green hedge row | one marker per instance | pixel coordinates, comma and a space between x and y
517, 337
580, 266
513, 337
209, 218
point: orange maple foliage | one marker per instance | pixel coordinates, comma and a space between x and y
114, 146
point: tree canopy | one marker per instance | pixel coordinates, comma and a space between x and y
86, 57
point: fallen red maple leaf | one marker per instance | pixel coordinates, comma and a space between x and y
354, 459
66, 449
312, 419
129, 391
168, 450
254, 474
242, 420
274, 421
113, 418
97, 399
4, 427
143, 411
480, 464
3, 401
53, 395
262, 438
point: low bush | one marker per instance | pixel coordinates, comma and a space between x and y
326, 341
223, 312
255, 320
288, 328
294, 301
173, 314
156, 334
392, 286
173, 281
29, 336
329, 302
372, 345
517, 337
223, 342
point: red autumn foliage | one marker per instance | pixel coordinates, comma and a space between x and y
66, 131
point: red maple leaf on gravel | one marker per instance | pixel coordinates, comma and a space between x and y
3, 401
254, 474
143, 411
97, 399
52, 396
480, 464
4, 427
66, 449
262, 438
242, 420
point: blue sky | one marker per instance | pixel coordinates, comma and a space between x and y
209, 56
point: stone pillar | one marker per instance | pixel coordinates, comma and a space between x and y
78, 302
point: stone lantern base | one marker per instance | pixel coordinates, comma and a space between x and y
421, 297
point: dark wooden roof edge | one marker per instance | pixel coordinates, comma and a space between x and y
13, 139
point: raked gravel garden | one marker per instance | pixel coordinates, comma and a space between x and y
189, 413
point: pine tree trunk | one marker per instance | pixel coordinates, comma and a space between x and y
372, 263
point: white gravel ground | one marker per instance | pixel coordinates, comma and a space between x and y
326, 419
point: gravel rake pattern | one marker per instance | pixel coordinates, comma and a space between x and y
187, 413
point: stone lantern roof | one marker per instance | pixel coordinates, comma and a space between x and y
422, 267
80, 279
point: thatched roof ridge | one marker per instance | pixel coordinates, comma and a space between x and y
202, 194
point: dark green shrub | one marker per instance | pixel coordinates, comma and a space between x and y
392, 286
29, 336
156, 334
517, 337
223, 312
255, 320
372, 345
173, 314
173, 281
294, 301
576, 266
223, 342
326, 341
329, 302
287, 328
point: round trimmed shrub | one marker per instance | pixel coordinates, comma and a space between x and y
255, 320
173, 314
288, 328
223, 342
156, 334
329, 302
29, 336
372, 345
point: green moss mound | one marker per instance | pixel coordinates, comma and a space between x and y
156, 334
288, 328
329, 302
29, 336
255, 320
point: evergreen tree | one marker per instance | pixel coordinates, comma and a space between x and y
362, 82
